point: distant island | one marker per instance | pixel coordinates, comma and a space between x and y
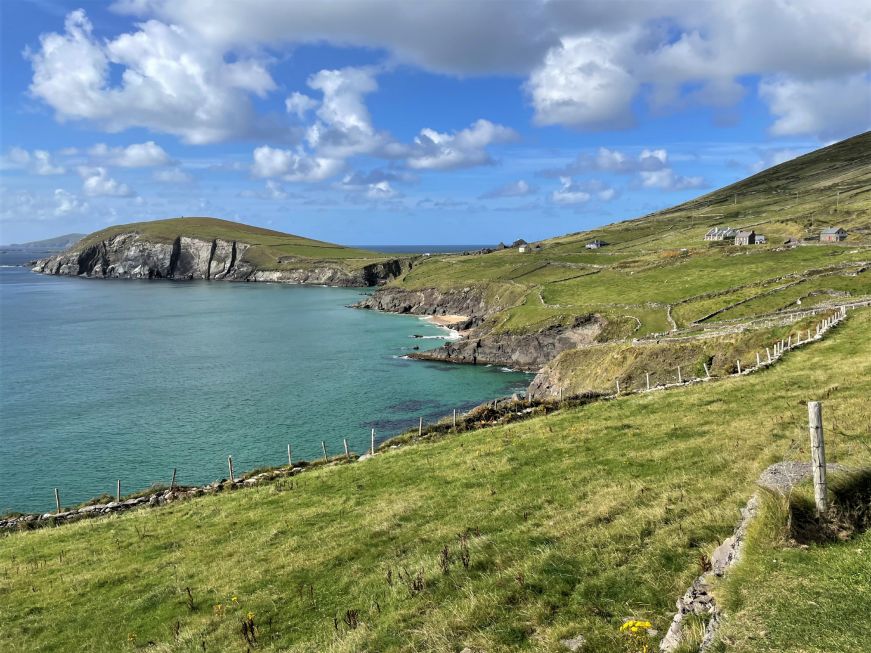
56, 244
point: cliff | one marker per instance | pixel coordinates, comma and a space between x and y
137, 256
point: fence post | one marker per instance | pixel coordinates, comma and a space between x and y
289, 460
739, 365
618, 386
324, 449
172, 482
679, 375
345, 442
118, 491
455, 419
373, 442
420, 423
707, 371
818, 454
648, 379
758, 360
230, 466
57, 499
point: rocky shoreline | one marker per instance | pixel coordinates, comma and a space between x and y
133, 256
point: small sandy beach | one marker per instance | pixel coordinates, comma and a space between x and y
446, 320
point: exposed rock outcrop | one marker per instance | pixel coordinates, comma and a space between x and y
472, 302
133, 256
523, 351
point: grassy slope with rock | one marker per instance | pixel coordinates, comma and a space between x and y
660, 262
269, 250
569, 523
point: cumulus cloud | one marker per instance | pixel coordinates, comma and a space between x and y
96, 182
38, 162
294, 165
66, 202
519, 188
170, 82
667, 179
581, 192
136, 155
434, 150
614, 161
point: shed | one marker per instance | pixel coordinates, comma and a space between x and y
595, 244
745, 238
832, 235
523, 249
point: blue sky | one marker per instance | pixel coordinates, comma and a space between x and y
387, 122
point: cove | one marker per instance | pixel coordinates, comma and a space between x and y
101, 380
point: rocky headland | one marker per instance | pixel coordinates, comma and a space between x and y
136, 256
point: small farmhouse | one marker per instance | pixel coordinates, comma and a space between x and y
832, 235
745, 238
721, 233
595, 244
761, 240
523, 249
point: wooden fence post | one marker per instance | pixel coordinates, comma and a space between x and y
420, 423
230, 466
618, 386
648, 380
739, 365
57, 499
707, 371
324, 449
345, 442
118, 491
289, 459
818, 454
172, 481
768, 351
758, 360
455, 419
679, 375
373, 442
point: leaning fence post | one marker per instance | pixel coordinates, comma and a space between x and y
345, 442
373, 442
818, 454
57, 499
324, 449
739, 365
707, 371
172, 482
118, 491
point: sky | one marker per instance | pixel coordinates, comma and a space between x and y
370, 122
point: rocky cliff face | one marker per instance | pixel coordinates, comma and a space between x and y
525, 351
132, 256
432, 301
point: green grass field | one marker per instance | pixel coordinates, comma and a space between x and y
661, 259
568, 524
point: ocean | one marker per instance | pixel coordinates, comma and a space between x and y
106, 379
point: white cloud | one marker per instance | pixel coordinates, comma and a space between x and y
299, 104
294, 165
615, 161
381, 190
97, 183
172, 176
170, 82
136, 155
66, 202
570, 193
581, 84
434, 150
38, 162
519, 188
666, 179
820, 106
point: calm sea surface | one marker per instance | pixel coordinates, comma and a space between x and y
101, 380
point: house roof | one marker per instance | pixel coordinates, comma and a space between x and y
831, 231
745, 233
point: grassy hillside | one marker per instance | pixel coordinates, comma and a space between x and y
269, 249
660, 262
504, 539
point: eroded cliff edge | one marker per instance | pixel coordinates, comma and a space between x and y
480, 343
134, 256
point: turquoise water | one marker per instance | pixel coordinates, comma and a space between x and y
101, 380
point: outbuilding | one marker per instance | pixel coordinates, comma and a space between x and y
832, 235
595, 244
745, 238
